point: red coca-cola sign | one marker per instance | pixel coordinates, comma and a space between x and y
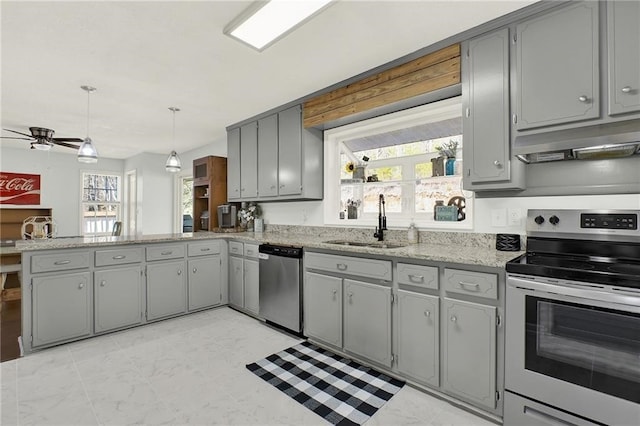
19, 188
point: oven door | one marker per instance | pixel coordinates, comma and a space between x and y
574, 346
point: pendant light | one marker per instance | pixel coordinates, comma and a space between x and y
87, 152
173, 164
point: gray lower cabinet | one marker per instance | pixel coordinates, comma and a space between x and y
469, 351
251, 286
236, 282
557, 61
166, 289
61, 308
323, 308
118, 298
623, 37
205, 282
418, 351
367, 320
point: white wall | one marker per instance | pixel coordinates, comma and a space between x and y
60, 176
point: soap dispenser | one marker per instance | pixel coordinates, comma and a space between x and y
412, 234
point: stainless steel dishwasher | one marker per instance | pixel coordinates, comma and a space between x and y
281, 286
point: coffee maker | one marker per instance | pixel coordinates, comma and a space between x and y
227, 216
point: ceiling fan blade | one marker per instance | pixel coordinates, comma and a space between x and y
68, 145
67, 140
22, 139
20, 133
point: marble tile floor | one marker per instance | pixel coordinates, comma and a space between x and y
183, 371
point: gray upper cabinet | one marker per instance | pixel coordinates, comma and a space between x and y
268, 156
290, 152
249, 161
61, 308
367, 320
469, 351
233, 164
118, 298
486, 125
323, 308
166, 289
205, 282
418, 336
557, 61
623, 36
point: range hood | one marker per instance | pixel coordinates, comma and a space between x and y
611, 140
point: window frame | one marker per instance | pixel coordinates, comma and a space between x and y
82, 203
433, 112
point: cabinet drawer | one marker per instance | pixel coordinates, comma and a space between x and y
379, 269
118, 256
418, 275
477, 284
251, 251
173, 251
203, 248
236, 248
60, 261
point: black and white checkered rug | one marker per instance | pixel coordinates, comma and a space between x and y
338, 389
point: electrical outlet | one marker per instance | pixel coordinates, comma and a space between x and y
514, 216
499, 217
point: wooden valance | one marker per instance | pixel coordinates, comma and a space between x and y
428, 73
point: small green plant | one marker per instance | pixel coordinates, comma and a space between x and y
448, 149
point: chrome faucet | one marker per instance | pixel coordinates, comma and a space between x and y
382, 220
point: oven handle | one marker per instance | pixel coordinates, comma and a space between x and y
569, 290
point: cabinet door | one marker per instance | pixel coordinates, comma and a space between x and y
268, 155
205, 282
290, 151
118, 298
233, 164
623, 35
469, 353
251, 288
558, 67
236, 282
322, 307
249, 160
166, 289
61, 308
418, 336
486, 111
367, 321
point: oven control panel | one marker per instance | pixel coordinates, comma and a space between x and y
608, 221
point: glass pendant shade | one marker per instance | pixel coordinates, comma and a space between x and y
173, 163
87, 152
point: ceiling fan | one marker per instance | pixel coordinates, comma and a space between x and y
43, 139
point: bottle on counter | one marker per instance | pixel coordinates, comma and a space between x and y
412, 234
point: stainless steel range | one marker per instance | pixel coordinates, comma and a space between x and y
573, 320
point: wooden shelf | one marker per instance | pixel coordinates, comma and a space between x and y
210, 177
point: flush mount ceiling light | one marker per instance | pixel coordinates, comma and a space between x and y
173, 163
262, 23
87, 153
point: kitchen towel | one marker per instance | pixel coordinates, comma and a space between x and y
338, 389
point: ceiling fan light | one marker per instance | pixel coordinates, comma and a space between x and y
173, 163
42, 145
87, 152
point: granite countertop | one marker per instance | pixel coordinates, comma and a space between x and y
471, 254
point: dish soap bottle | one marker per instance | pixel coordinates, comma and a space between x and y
412, 234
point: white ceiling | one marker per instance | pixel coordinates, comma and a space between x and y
145, 56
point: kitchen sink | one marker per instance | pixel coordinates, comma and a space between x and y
378, 244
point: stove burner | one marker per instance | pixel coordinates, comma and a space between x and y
625, 268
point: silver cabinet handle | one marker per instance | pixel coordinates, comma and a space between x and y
205, 249
179, 271
416, 278
119, 257
249, 252
166, 253
103, 283
235, 249
81, 286
281, 186
583, 98
341, 266
335, 294
467, 112
514, 118
350, 297
464, 285
62, 262
241, 189
453, 318
626, 89
272, 187
497, 163
195, 270
427, 314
